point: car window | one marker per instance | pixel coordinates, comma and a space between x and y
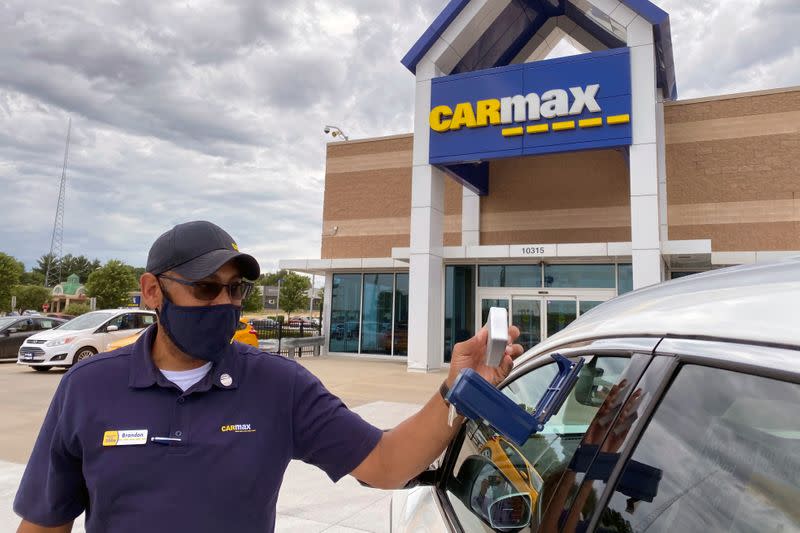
145, 319
535, 468
124, 322
728, 447
89, 320
25, 325
45, 323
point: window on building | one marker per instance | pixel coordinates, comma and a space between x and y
588, 276
376, 320
510, 276
401, 315
459, 306
624, 278
682, 274
345, 313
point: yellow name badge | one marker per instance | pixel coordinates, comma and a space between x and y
125, 437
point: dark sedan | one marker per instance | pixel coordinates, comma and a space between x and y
15, 329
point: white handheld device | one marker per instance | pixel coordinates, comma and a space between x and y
497, 338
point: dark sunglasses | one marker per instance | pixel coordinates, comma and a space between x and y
209, 290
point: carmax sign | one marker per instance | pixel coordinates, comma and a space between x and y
574, 103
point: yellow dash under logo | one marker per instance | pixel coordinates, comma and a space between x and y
110, 438
618, 119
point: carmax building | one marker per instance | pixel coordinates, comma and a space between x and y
546, 186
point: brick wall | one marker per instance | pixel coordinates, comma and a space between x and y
733, 170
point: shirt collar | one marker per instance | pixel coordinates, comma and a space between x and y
224, 374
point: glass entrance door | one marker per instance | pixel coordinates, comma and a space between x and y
537, 316
560, 313
526, 314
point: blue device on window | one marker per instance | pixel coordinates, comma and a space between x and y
477, 399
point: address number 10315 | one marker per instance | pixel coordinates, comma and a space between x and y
533, 250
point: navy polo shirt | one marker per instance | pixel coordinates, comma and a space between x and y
238, 428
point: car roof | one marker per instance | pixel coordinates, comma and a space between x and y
123, 310
751, 304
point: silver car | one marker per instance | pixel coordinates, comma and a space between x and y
686, 417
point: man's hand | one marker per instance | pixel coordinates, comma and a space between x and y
472, 354
413, 445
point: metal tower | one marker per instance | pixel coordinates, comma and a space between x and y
57, 240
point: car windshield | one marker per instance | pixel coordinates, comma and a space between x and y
4, 322
89, 320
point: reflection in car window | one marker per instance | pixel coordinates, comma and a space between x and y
24, 325
729, 448
545, 455
89, 320
145, 319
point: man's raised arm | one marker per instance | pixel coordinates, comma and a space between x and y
412, 446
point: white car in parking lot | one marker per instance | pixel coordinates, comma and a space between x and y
81, 337
685, 417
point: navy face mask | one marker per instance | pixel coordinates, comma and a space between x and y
203, 332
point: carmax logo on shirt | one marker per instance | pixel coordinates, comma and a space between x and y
238, 428
519, 108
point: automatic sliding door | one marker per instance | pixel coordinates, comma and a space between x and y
560, 313
527, 316
486, 303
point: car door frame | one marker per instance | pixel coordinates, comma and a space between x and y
620, 347
761, 360
20, 336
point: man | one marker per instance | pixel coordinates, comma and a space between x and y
187, 431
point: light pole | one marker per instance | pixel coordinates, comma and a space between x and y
336, 131
278, 306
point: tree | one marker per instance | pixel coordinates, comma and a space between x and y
137, 273
254, 301
271, 279
32, 278
111, 284
10, 272
31, 296
76, 309
80, 265
293, 292
48, 260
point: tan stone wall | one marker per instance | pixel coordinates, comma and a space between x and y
733, 170
367, 202
573, 197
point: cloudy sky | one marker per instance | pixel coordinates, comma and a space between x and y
214, 110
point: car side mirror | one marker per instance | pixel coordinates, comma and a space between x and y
482, 486
110, 329
512, 511
9, 331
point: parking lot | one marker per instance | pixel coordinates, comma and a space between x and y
383, 392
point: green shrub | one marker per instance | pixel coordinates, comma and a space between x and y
76, 309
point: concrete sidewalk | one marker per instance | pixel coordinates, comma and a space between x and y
382, 392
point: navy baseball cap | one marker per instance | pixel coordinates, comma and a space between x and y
196, 250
